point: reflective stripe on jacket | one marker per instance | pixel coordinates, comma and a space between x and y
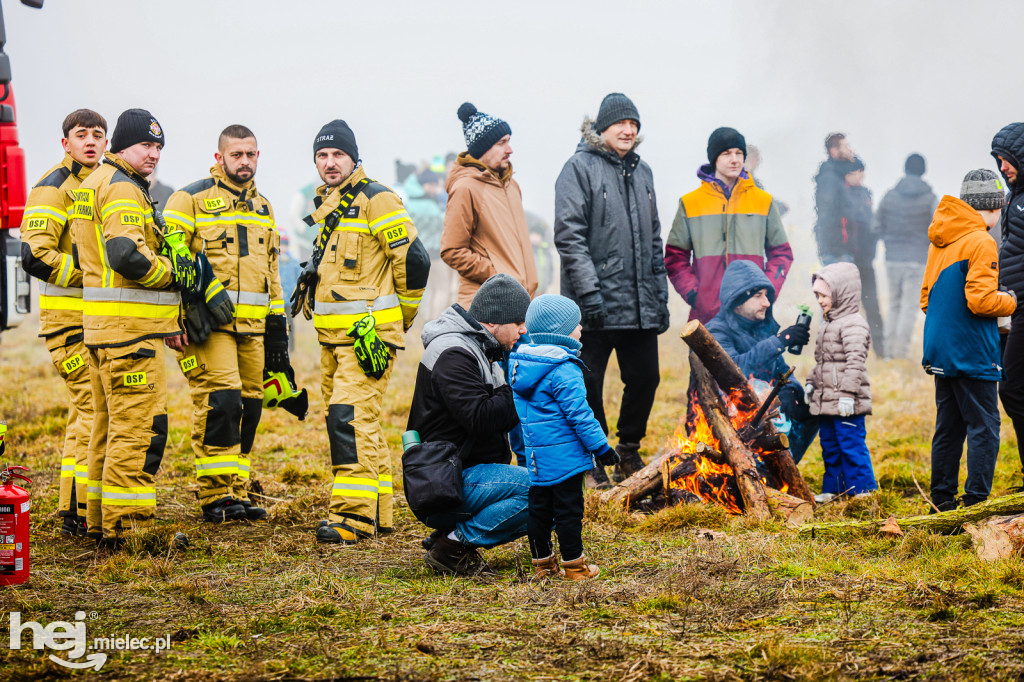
47, 249
373, 262
126, 298
234, 226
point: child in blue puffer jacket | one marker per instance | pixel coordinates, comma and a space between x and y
561, 434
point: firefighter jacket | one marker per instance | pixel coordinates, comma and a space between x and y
47, 249
373, 262
234, 226
127, 287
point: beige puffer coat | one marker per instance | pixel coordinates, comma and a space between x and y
842, 347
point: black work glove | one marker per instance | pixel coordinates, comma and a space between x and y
690, 297
275, 344
198, 321
790, 402
664, 319
592, 310
213, 292
607, 457
797, 335
303, 297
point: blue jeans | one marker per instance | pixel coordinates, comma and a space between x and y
845, 453
515, 435
495, 506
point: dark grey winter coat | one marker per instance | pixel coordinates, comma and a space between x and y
1009, 143
903, 218
608, 234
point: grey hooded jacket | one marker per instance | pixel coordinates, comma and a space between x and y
608, 234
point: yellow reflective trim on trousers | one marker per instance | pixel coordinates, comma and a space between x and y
81, 471
216, 466
349, 486
60, 303
67, 467
93, 490
253, 312
142, 496
122, 309
385, 316
243, 467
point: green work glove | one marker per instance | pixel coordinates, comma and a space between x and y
214, 294
186, 274
371, 353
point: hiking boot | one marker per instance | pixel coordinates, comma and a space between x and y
579, 569
252, 513
431, 540
339, 534
546, 568
945, 506
223, 510
629, 461
180, 541
597, 479
455, 558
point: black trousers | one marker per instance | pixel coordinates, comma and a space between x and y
1011, 388
637, 353
869, 298
964, 408
559, 506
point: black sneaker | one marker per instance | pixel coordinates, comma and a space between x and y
252, 513
223, 510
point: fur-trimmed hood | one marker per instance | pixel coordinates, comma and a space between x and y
593, 142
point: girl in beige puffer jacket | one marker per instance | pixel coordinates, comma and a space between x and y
838, 391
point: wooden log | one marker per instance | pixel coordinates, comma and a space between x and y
705, 450
736, 453
998, 537
769, 442
944, 522
732, 382
645, 482
792, 510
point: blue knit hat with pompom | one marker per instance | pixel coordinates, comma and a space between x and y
481, 130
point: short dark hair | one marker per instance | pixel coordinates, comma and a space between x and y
234, 132
85, 118
833, 140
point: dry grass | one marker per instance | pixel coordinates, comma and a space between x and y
264, 601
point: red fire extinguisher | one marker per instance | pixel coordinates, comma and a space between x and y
14, 507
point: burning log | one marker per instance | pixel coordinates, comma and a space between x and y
736, 453
769, 442
792, 510
732, 382
943, 522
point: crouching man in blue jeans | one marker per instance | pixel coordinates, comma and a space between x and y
461, 397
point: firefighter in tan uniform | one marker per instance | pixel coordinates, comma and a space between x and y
362, 288
130, 306
226, 218
46, 253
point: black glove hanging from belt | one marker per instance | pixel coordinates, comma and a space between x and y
275, 345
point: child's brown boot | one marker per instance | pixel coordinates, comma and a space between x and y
546, 568
579, 569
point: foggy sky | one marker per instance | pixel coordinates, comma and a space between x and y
928, 76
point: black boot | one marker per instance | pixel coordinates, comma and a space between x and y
453, 557
253, 513
431, 540
597, 479
223, 510
69, 526
629, 461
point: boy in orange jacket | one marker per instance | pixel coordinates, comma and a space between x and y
961, 299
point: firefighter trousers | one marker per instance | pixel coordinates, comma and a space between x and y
129, 392
225, 378
361, 496
71, 359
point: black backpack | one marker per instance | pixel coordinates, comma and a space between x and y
432, 476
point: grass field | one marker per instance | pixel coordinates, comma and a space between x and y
264, 601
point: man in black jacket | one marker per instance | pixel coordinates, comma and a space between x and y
608, 236
831, 200
1008, 150
461, 397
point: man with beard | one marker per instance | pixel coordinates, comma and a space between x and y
831, 199
226, 218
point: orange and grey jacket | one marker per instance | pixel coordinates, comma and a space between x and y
712, 228
128, 290
47, 251
373, 262
234, 226
960, 296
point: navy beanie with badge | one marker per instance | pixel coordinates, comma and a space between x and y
337, 135
135, 126
481, 130
551, 318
